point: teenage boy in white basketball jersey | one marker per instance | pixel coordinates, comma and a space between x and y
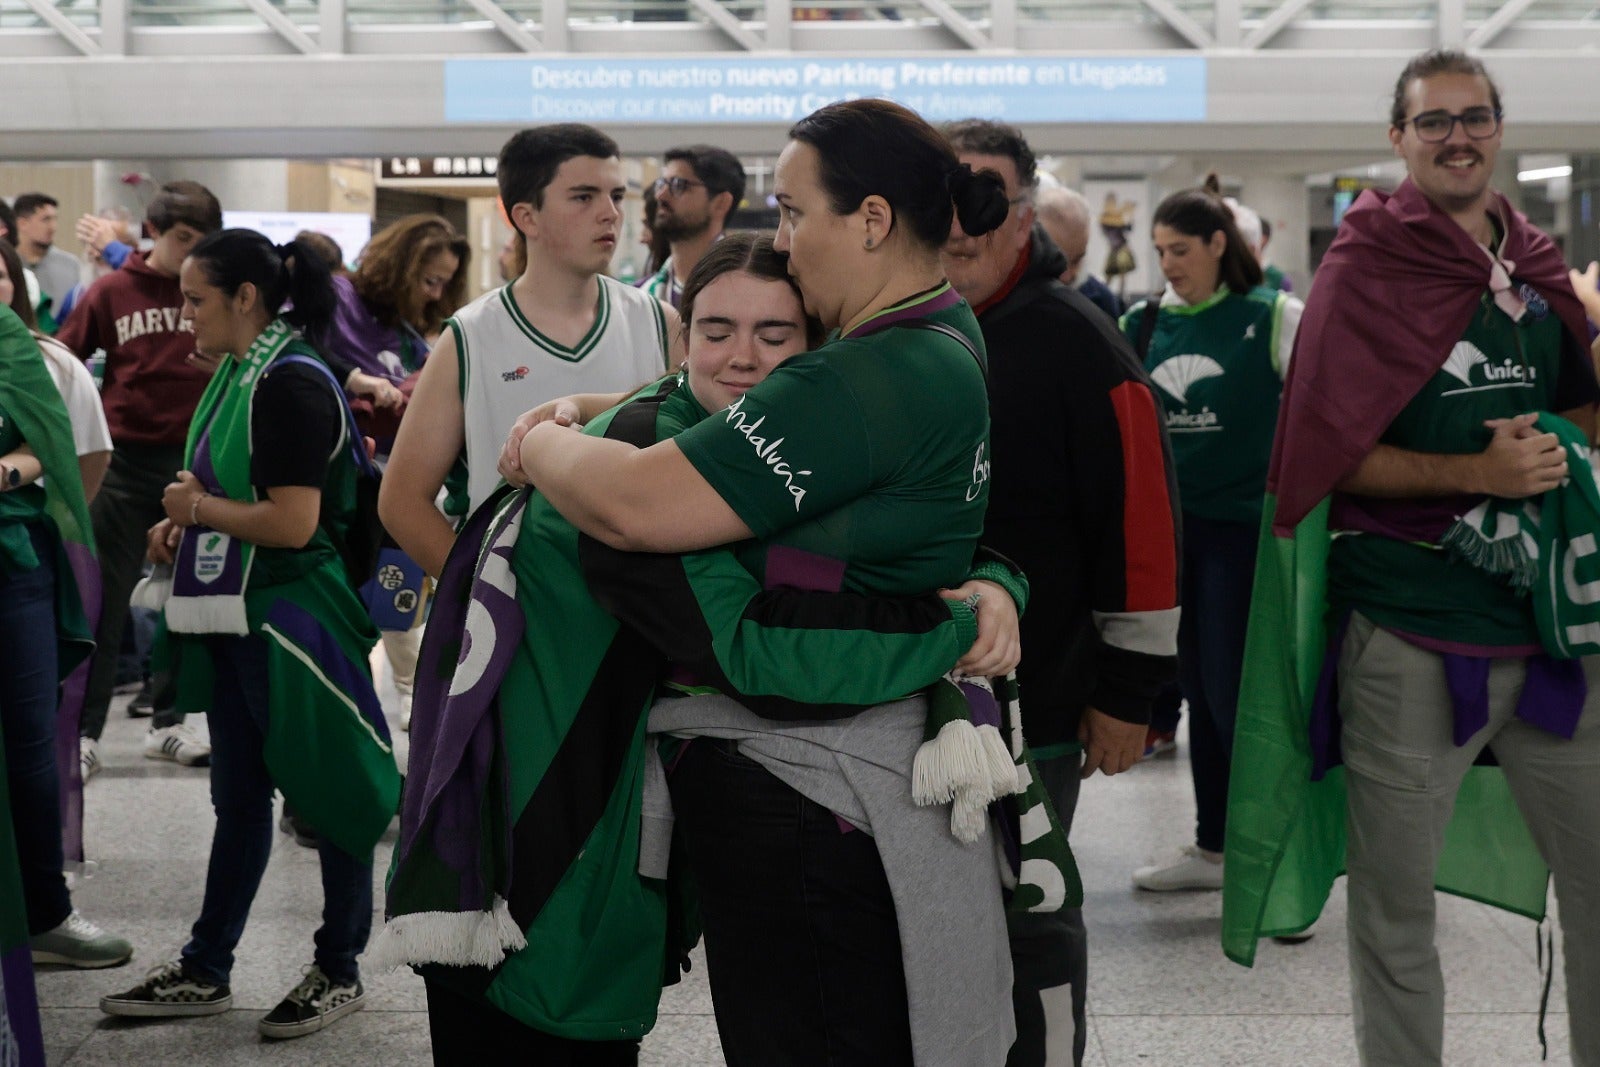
563, 327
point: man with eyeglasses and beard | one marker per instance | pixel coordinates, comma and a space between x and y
1440, 337
699, 187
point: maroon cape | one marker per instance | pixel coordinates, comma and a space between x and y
1393, 295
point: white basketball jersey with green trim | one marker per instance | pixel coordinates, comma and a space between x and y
509, 367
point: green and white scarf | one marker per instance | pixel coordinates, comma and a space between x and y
1548, 547
974, 755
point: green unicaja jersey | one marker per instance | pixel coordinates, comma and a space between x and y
871, 451
574, 701
1218, 369
1497, 370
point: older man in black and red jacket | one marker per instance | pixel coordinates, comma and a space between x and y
1083, 498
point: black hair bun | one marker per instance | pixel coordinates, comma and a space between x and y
979, 198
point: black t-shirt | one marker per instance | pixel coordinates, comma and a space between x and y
295, 427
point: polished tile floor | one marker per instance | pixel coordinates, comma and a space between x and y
1161, 992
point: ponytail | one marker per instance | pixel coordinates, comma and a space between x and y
289, 274
979, 198
872, 147
310, 292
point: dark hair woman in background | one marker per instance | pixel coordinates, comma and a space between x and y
412, 276
271, 635
1217, 351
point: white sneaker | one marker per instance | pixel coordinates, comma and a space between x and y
88, 758
77, 942
177, 743
1297, 939
1198, 869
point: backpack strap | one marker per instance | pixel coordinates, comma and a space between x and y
951, 332
358, 448
1147, 325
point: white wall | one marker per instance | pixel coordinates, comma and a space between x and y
240, 184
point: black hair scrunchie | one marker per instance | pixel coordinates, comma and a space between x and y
980, 199
285, 251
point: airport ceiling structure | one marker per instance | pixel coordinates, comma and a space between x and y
304, 78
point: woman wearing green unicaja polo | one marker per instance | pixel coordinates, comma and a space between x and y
1217, 352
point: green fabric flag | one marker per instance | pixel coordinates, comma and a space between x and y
1286, 833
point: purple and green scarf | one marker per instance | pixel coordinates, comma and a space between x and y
327, 746
212, 569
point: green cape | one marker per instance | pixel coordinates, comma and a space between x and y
1286, 833
28, 394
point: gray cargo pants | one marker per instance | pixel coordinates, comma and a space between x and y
1402, 771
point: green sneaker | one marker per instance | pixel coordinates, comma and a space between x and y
80, 943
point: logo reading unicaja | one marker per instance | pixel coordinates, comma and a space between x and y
1466, 357
1176, 377
766, 450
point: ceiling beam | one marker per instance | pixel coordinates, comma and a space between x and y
1186, 27
513, 30
1497, 23
52, 16
724, 20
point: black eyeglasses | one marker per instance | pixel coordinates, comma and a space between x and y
676, 186
1480, 124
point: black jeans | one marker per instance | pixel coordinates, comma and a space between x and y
468, 1032
128, 504
241, 795
28, 695
1219, 566
802, 944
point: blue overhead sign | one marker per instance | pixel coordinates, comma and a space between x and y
744, 90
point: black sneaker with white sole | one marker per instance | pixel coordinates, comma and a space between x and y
315, 1003
168, 991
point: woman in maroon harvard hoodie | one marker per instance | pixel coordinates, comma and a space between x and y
152, 385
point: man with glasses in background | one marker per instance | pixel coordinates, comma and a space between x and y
1441, 326
699, 187
1082, 497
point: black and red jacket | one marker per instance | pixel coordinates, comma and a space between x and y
1083, 498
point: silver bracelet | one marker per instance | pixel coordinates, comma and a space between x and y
194, 509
